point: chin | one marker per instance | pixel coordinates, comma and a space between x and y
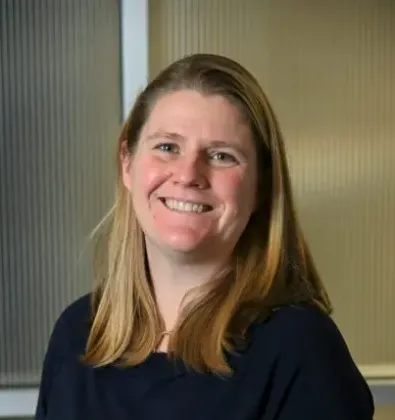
186, 242
183, 245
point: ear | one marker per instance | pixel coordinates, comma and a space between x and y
125, 164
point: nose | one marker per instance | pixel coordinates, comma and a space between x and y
190, 171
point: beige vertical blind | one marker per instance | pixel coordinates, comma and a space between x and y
329, 69
59, 116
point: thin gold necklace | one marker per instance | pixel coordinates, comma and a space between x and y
162, 336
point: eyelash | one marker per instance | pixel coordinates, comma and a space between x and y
228, 157
164, 147
161, 146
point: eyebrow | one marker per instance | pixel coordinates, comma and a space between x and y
166, 135
214, 143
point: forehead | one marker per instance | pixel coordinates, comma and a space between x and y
191, 114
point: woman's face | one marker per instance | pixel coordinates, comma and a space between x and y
193, 176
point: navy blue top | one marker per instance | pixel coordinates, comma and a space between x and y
297, 366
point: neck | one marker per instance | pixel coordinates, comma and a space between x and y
174, 279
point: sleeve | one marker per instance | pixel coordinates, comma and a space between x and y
325, 383
48, 369
67, 339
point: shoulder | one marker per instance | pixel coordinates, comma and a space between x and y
77, 311
306, 336
314, 364
71, 329
306, 327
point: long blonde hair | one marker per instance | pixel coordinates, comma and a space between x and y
272, 263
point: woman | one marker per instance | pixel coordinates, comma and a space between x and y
207, 304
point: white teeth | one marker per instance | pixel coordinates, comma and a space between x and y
184, 206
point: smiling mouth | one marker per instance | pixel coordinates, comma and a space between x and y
185, 206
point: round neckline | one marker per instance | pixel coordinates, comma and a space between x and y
160, 354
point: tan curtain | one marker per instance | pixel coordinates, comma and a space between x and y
329, 69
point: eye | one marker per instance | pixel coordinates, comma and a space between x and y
223, 158
167, 147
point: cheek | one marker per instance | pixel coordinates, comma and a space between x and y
235, 188
147, 175
231, 185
